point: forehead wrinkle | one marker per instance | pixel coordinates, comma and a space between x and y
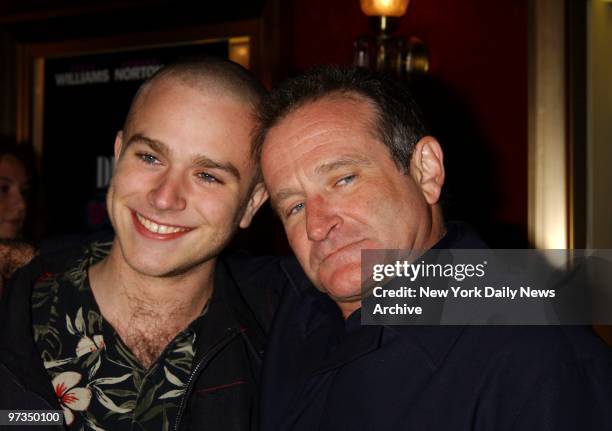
324, 113
342, 162
285, 193
318, 129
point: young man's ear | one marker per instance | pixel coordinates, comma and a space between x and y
427, 168
258, 196
118, 144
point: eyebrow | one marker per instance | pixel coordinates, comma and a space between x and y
155, 145
342, 162
206, 162
199, 161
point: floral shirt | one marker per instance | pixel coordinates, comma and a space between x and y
99, 383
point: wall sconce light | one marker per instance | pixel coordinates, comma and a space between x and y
387, 53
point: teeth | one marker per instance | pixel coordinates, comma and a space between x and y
158, 228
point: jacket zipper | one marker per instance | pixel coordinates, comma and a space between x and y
197, 369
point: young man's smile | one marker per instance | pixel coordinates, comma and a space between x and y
157, 230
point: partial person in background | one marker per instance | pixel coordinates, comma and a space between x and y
15, 180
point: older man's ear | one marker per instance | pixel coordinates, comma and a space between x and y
427, 168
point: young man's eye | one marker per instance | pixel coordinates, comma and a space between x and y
346, 180
296, 209
147, 158
208, 178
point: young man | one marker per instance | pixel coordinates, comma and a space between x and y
349, 166
152, 330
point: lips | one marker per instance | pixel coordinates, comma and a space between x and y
322, 257
157, 230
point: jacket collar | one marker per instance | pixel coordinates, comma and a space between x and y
18, 351
229, 313
316, 325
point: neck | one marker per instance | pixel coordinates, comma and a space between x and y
347, 308
122, 291
435, 231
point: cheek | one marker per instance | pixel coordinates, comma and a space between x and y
131, 183
122, 186
348, 272
296, 238
221, 206
110, 193
381, 204
367, 207
126, 180
299, 243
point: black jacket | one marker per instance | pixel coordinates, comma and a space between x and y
322, 373
223, 389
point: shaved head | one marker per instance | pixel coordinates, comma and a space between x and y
210, 75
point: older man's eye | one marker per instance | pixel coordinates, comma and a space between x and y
346, 180
296, 209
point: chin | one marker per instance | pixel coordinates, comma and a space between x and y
158, 271
146, 268
160, 266
9, 233
343, 283
143, 262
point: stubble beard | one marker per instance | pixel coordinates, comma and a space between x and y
187, 267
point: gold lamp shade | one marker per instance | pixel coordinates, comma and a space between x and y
395, 8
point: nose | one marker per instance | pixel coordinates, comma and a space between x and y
321, 219
167, 195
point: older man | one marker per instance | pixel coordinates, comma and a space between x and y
152, 329
349, 166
